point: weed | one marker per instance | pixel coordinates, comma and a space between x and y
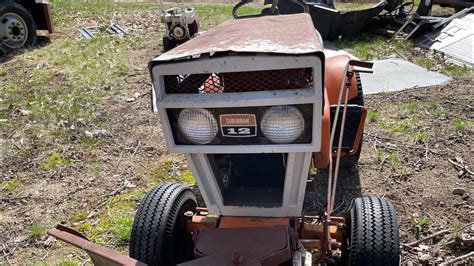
418, 224
380, 156
368, 46
394, 162
456, 231
68, 263
460, 125
114, 221
187, 177
35, 233
420, 136
437, 110
395, 126
122, 227
373, 116
457, 71
79, 216
412, 107
11, 186
53, 161
424, 62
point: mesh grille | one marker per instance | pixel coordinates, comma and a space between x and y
240, 81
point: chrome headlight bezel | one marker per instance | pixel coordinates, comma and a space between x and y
198, 125
282, 124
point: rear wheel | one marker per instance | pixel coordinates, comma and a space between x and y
168, 44
159, 234
374, 238
17, 27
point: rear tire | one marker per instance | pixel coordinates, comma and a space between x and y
374, 238
168, 44
159, 234
17, 25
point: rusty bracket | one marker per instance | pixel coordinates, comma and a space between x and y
100, 255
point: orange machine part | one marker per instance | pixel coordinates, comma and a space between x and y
321, 158
249, 222
333, 76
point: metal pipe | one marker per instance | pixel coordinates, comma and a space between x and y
331, 141
341, 136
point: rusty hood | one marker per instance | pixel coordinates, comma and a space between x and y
282, 34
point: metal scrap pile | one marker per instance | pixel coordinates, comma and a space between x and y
452, 36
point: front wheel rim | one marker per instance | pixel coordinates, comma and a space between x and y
13, 30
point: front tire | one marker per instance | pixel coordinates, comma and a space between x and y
17, 27
159, 234
374, 238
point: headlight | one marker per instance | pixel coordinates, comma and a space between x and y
198, 125
282, 124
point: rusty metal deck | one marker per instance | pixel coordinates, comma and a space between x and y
283, 34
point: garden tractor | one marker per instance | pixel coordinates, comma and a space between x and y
181, 25
253, 104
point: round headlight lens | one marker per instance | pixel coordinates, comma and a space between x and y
199, 126
282, 124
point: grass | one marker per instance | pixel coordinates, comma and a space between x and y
11, 186
113, 223
35, 232
53, 161
170, 170
460, 125
373, 116
457, 71
352, 6
420, 136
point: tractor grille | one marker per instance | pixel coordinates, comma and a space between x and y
240, 81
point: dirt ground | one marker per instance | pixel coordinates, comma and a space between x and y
417, 152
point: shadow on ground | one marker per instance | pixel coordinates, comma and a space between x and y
348, 188
6, 56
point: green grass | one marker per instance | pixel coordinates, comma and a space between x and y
457, 71
67, 13
113, 223
53, 161
368, 46
424, 62
35, 232
420, 136
373, 116
460, 125
65, 262
169, 170
10, 186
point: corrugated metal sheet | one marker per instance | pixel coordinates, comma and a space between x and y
283, 34
455, 40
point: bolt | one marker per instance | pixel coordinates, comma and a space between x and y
189, 214
341, 225
237, 258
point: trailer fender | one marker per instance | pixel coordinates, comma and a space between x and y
333, 76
